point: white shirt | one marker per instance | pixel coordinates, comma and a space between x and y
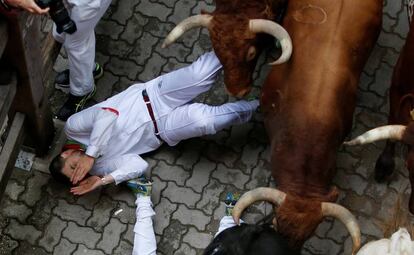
116, 132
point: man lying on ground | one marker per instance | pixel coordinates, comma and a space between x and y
106, 140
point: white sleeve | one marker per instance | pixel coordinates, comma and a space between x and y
128, 167
96, 121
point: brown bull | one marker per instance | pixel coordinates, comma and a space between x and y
237, 30
401, 114
308, 104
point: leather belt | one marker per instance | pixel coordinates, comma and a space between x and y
151, 112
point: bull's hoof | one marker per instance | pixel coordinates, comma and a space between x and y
384, 168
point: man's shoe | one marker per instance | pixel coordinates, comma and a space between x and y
230, 201
73, 105
142, 187
62, 78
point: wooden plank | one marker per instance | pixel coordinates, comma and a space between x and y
30, 99
4, 36
10, 150
7, 93
50, 52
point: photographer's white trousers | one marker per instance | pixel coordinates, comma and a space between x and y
80, 46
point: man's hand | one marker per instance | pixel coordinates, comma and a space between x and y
84, 165
28, 5
87, 185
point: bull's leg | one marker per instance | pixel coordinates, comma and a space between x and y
385, 163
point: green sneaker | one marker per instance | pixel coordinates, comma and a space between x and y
230, 201
141, 186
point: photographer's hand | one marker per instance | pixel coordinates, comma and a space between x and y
28, 5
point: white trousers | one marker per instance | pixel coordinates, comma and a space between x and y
225, 223
178, 119
144, 240
80, 46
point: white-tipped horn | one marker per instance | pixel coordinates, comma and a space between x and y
271, 195
277, 31
202, 20
393, 132
347, 218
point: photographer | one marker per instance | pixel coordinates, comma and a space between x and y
28, 5
74, 24
80, 48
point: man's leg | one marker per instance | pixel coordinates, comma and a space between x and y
80, 47
197, 119
183, 85
144, 239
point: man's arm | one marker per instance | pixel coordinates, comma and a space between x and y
129, 167
28, 5
98, 123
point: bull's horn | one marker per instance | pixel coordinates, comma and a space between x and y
202, 20
277, 31
394, 132
346, 217
271, 195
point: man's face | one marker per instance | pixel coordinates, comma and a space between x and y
71, 158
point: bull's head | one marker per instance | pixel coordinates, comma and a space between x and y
307, 215
237, 44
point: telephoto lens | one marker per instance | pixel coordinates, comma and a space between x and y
59, 15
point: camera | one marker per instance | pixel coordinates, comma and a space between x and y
59, 15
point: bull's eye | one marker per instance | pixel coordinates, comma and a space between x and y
251, 53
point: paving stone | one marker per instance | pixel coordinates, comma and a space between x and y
239, 136
129, 234
260, 176
152, 67
134, 28
109, 28
168, 154
128, 214
197, 239
172, 173
163, 214
351, 182
34, 186
84, 250
317, 246
124, 67
157, 186
111, 236
191, 150
232, 176
118, 193
15, 210
105, 84
181, 195
250, 155
22, 232
13, 190
101, 214
123, 248
52, 234
210, 200
28, 248
7, 245
220, 154
64, 247
72, 212
191, 217
124, 11
153, 10
201, 175
185, 249
169, 241
81, 235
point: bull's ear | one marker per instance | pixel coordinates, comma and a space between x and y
406, 105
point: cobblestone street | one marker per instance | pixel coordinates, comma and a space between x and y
39, 216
